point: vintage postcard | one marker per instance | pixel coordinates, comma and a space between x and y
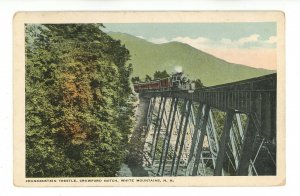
149, 98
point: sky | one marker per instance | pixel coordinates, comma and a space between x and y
252, 44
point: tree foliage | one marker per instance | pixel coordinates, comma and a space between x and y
148, 78
160, 74
135, 79
79, 102
198, 83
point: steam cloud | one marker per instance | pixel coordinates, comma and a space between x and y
178, 69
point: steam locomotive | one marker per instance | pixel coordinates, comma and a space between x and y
177, 81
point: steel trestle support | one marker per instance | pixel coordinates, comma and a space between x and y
178, 137
224, 143
158, 127
201, 139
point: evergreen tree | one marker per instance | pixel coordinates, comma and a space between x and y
148, 78
135, 79
198, 83
160, 74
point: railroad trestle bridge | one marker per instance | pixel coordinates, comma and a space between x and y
226, 129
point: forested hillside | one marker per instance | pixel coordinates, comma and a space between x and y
148, 57
79, 104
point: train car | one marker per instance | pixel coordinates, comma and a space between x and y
154, 85
177, 81
138, 87
165, 83
144, 86
151, 85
